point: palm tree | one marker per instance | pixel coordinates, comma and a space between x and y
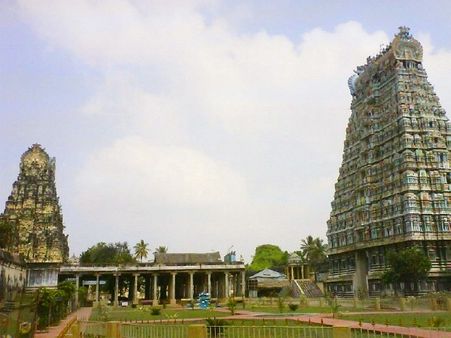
161, 249
141, 250
314, 250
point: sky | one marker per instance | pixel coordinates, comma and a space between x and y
197, 125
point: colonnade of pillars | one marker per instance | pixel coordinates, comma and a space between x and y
295, 272
222, 291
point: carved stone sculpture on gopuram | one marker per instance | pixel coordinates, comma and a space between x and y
33, 213
393, 188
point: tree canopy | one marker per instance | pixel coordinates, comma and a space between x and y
268, 256
5, 233
141, 250
314, 251
407, 265
161, 249
111, 253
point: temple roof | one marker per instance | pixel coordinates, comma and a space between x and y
268, 274
187, 258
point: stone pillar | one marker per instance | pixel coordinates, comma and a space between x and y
361, 274
116, 290
191, 286
135, 289
226, 284
97, 286
243, 283
155, 290
292, 273
209, 283
77, 286
172, 289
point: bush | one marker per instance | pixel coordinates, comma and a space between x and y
293, 307
281, 304
155, 310
215, 327
231, 304
303, 301
437, 321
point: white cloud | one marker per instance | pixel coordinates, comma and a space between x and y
138, 173
234, 136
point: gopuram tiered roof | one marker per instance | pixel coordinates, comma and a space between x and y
33, 212
393, 184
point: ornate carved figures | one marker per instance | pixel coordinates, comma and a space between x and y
393, 184
33, 211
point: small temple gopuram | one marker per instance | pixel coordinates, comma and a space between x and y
393, 189
33, 212
34, 250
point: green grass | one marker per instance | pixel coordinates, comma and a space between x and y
423, 319
275, 309
302, 309
144, 313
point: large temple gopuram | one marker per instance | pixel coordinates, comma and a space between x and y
33, 213
393, 189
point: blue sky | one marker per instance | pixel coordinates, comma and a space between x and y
195, 124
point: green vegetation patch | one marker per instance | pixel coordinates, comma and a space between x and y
299, 310
420, 319
145, 313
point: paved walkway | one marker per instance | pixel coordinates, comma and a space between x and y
83, 313
326, 319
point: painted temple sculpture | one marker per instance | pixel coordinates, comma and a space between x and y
393, 184
33, 212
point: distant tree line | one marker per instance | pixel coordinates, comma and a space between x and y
312, 252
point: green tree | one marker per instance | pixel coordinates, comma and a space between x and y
407, 266
268, 256
161, 249
53, 303
111, 253
314, 251
6, 234
141, 250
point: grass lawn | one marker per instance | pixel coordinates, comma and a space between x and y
144, 313
286, 310
405, 319
300, 310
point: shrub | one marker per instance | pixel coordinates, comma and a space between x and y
281, 304
293, 307
231, 305
215, 327
437, 321
303, 301
155, 310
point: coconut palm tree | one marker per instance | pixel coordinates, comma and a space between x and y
141, 250
161, 249
314, 250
